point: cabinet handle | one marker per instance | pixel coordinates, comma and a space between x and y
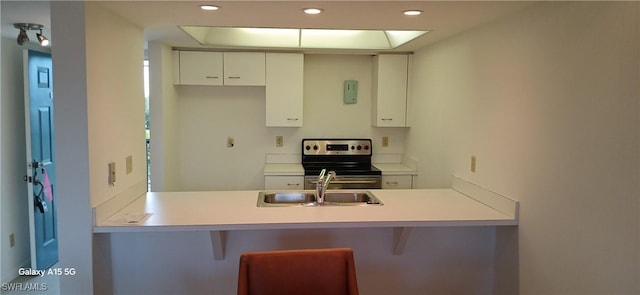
234, 77
293, 119
387, 119
212, 77
293, 184
394, 183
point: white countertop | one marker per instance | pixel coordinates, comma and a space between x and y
395, 169
237, 210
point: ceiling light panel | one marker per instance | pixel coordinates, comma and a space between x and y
300, 38
343, 39
253, 37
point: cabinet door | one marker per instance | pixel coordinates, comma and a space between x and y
389, 107
244, 68
200, 68
397, 182
284, 182
284, 89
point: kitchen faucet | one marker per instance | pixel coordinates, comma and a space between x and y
323, 183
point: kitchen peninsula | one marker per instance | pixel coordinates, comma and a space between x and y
219, 212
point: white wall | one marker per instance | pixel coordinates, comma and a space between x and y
71, 145
13, 191
163, 108
207, 115
99, 118
548, 101
115, 55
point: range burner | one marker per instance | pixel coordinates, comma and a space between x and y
349, 158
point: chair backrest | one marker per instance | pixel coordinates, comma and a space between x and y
298, 272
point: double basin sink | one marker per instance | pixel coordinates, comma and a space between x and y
308, 198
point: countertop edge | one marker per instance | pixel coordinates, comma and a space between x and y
307, 225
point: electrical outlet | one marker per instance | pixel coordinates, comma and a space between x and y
12, 240
129, 164
230, 142
279, 141
112, 173
473, 164
385, 141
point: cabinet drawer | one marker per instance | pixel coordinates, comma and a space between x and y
284, 182
397, 182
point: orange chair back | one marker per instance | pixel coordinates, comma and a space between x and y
298, 272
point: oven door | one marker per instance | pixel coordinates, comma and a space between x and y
347, 182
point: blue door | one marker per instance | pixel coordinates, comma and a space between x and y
40, 157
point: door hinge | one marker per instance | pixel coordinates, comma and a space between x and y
28, 179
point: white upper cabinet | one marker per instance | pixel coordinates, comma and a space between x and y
244, 68
284, 88
218, 68
389, 93
200, 68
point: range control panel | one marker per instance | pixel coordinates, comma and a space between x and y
336, 147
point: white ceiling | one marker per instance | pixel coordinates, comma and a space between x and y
160, 19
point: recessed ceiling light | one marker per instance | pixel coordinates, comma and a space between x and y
209, 7
412, 12
313, 10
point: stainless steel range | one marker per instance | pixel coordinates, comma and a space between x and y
349, 158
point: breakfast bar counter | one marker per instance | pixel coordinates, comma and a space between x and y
465, 204
237, 210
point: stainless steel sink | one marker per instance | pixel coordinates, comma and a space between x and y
353, 198
286, 198
308, 198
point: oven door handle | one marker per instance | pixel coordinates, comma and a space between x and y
348, 181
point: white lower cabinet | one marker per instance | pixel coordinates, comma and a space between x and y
284, 182
397, 181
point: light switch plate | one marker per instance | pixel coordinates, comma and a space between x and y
279, 141
385, 141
